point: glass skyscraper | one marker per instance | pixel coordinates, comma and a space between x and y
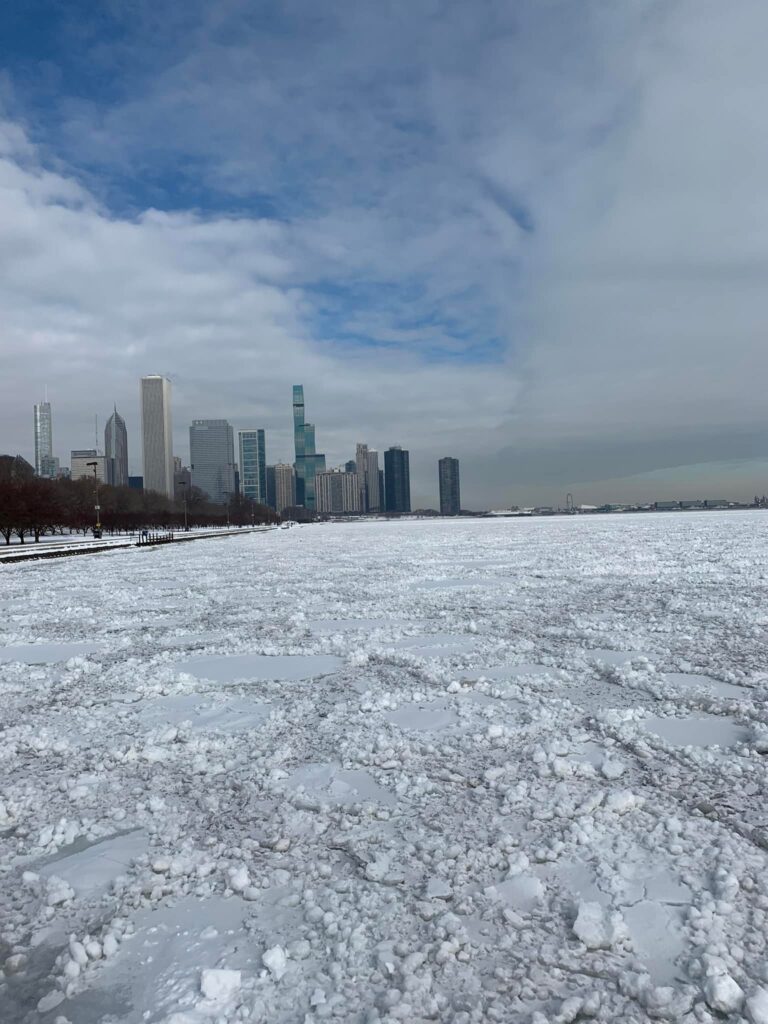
450, 497
212, 455
116, 450
45, 464
309, 462
253, 465
397, 480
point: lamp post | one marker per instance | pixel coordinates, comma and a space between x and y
183, 483
97, 527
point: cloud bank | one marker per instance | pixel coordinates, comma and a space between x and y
532, 236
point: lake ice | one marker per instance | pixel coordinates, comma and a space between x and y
329, 773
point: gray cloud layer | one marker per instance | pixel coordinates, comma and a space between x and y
534, 238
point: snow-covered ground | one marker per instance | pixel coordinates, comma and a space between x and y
413, 771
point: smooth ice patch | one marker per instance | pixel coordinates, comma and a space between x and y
657, 935
523, 892
434, 645
229, 668
46, 654
93, 869
203, 713
697, 731
514, 672
339, 785
425, 717
706, 683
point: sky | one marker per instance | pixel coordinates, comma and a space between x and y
529, 234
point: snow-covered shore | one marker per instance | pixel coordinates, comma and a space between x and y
454, 771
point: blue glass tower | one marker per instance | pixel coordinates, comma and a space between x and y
253, 465
308, 461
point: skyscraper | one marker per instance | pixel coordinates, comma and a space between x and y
212, 459
271, 488
285, 487
156, 436
253, 465
361, 466
450, 498
309, 462
116, 450
338, 491
397, 480
45, 463
372, 481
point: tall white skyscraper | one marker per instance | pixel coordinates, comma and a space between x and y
157, 445
45, 464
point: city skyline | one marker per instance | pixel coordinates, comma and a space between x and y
549, 285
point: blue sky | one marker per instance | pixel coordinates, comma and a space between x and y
528, 234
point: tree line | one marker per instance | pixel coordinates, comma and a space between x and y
31, 507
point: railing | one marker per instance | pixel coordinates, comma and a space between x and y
150, 537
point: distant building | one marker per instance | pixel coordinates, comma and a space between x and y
136, 483
309, 462
450, 497
182, 480
372, 481
350, 467
45, 464
285, 487
338, 492
397, 480
156, 434
253, 465
80, 468
271, 491
116, 450
212, 458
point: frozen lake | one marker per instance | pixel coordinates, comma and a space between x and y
448, 771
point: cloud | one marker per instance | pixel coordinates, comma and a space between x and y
530, 235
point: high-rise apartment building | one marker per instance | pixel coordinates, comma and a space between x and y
338, 492
116, 450
253, 465
45, 463
285, 487
81, 465
397, 480
156, 436
212, 459
309, 462
450, 497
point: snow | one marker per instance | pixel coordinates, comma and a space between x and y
461, 771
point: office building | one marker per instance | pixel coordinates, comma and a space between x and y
338, 492
309, 462
136, 483
271, 490
450, 498
45, 464
82, 465
285, 487
116, 450
397, 480
182, 480
212, 459
156, 439
350, 467
253, 465
372, 481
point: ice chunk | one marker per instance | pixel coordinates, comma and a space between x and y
757, 1006
219, 985
723, 993
276, 962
